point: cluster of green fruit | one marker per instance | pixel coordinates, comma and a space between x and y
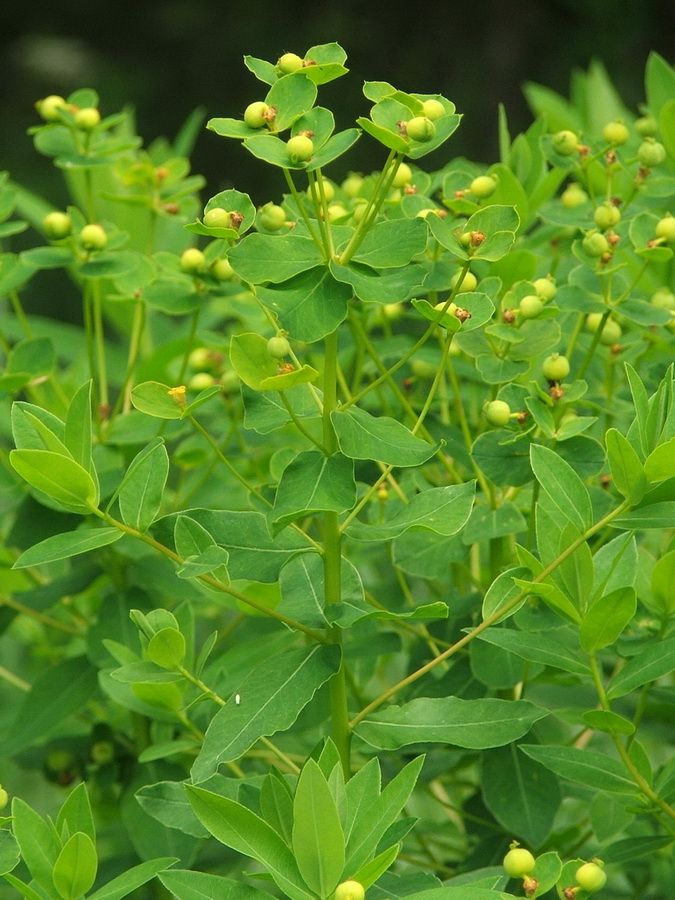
55, 109
520, 863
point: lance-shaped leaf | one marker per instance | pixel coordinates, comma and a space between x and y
442, 510
76, 866
57, 476
38, 843
318, 840
302, 589
310, 305
186, 884
660, 464
263, 257
607, 618
474, 724
132, 879
362, 436
237, 827
9, 852
271, 697
650, 664
587, 767
77, 434
199, 550
523, 795
313, 483
563, 486
63, 546
628, 472
254, 554
142, 490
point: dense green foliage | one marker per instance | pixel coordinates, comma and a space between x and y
338, 540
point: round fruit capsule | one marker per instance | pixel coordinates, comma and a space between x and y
192, 261
278, 347
272, 217
403, 176
565, 142
590, 877
469, 282
4, 798
663, 298
595, 244
93, 237
420, 129
498, 413
57, 225
289, 63
555, 367
607, 216
222, 270
300, 148
326, 189
350, 890
518, 862
483, 186
646, 126
545, 288
573, 195
433, 109
665, 229
87, 118
217, 217
49, 107
611, 330
651, 153
616, 132
530, 306
255, 114
200, 359
352, 185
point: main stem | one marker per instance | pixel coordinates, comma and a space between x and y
332, 561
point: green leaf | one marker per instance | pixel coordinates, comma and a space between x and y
9, 852
76, 815
586, 767
521, 794
271, 698
627, 470
663, 577
392, 243
310, 305
362, 436
57, 476
186, 884
57, 693
313, 483
63, 546
132, 879
167, 802
371, 813
155, 399
77, 435
318, 842
251, 360
503, 590
652, 515
76, 866
503, 460
606, 619
237, 827
276, 804
166, 648
537, 648
563, 486
199, 550
38, 843
380, 285
260, 258
660, 464
473, 724
140, 496
610, 722
441, 510
31, 357
649, 664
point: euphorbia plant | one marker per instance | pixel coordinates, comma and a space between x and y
355, 528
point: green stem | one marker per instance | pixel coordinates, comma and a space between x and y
494, 617
382, 187
332, 563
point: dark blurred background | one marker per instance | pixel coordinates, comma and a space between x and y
169, 56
